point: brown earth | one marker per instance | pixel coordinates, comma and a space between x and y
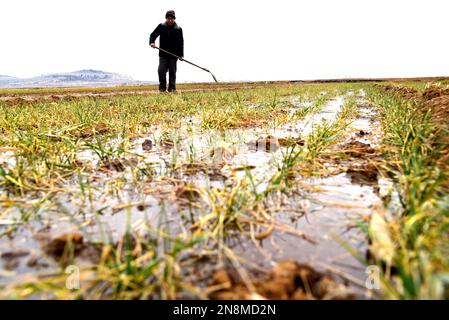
288, 280
366, 175
402, 91
55, 245
357, 149
434, 98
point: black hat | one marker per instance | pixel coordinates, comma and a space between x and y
170, 13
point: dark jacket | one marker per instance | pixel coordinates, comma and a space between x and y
171, 39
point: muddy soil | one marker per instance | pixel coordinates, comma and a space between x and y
288, 280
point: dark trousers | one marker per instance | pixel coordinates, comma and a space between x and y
167, 64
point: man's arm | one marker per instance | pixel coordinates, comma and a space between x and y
181, 43
154, 35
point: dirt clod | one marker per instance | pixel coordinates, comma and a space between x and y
287, 280
116, 165
14, 254
147, 145
366, 175
357, 149
55, 246
435, 91
11, 259
361, 133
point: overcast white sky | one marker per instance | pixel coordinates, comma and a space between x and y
235, 39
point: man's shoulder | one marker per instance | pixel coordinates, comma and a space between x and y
165, 25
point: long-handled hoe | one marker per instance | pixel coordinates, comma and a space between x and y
174, 55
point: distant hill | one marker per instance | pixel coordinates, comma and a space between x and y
86, 77
6, 78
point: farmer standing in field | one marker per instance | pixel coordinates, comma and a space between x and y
172, 41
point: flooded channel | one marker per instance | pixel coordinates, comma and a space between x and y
169, 179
